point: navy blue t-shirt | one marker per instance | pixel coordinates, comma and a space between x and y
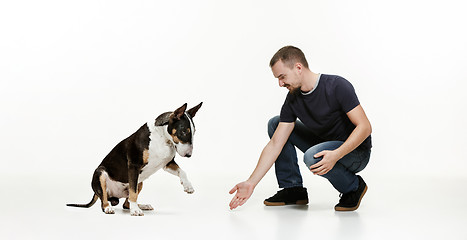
324, 110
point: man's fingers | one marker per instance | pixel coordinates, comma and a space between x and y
320, 170
315, 166
235, 203
233, 189
320, 154
317, 169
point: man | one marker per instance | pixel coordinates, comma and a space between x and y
332, 130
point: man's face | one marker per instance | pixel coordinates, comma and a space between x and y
288, 77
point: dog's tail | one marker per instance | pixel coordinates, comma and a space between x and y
93, 200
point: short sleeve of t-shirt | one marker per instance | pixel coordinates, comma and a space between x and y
287, 115
345, 94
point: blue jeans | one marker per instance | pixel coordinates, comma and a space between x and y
341, 176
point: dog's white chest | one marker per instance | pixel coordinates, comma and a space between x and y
161, 151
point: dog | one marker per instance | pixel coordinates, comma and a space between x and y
152, 147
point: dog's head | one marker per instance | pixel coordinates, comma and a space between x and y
182, 129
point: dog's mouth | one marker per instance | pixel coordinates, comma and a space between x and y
184, 149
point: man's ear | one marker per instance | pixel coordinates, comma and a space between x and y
192, 111
177, 114
299, 67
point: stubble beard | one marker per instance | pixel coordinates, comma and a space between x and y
296, 90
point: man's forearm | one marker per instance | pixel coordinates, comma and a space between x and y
359, 134
266, 160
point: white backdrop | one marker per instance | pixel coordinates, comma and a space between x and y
76, 77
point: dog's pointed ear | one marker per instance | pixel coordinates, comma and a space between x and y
177, 114
192, 111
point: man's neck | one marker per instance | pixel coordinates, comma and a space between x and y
309, 81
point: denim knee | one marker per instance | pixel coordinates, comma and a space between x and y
272, 125
309, 158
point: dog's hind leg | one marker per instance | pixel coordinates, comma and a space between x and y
173, 168
145, 207
99, 185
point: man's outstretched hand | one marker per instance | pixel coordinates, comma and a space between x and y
244, 191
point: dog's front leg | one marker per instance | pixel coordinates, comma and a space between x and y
133, 173
173, 168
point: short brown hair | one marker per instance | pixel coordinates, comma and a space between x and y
289, 55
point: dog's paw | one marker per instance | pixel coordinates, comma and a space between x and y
136, 212
189, 189
109, 210
145, 207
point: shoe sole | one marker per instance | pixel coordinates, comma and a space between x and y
299, 202
344, 209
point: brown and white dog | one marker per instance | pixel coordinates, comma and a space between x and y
133, 160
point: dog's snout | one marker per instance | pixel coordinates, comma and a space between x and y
184, 150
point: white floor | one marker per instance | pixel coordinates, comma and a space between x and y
400, 207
